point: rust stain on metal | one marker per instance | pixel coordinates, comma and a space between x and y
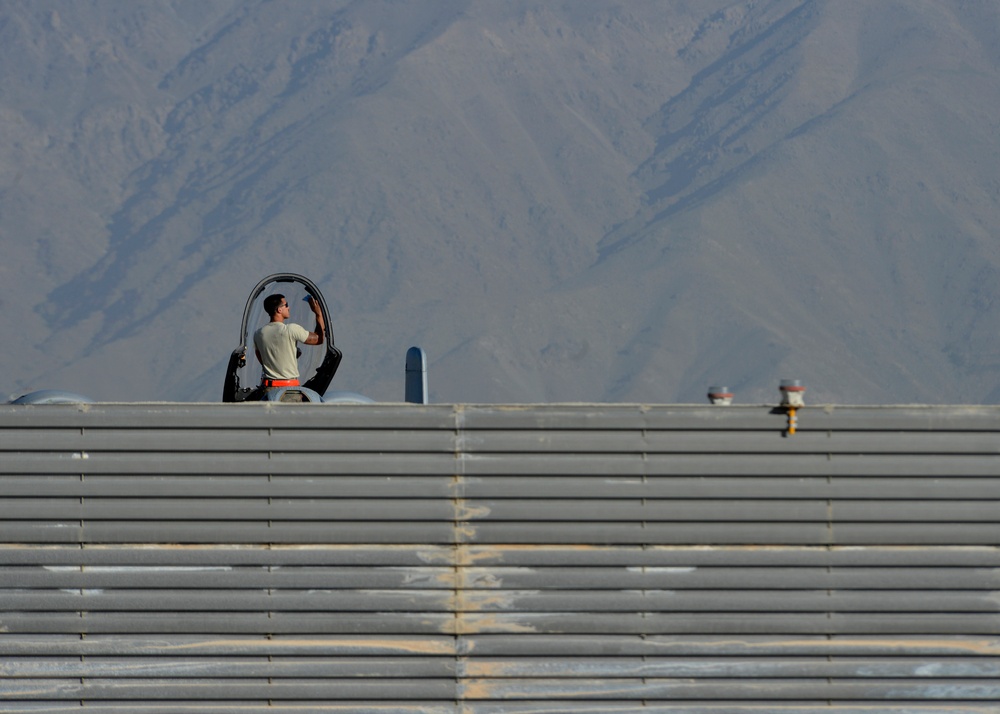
467, 555
445, 579
491, 600
478, 623
477, 689
442, 556
485, 580
480, 554
464, 511
464, 532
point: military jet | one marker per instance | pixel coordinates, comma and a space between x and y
317, 364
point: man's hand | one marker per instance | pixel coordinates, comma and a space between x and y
316, 336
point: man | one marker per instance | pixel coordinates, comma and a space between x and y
276, 343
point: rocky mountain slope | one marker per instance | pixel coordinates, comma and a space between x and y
588, 200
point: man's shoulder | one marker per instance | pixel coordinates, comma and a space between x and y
297, 331
271, 329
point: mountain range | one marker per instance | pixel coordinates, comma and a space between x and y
558, 200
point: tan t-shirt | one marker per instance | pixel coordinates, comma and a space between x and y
277, 342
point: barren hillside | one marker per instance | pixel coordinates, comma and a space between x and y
588, 200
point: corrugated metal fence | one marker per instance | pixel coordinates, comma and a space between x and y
543, 559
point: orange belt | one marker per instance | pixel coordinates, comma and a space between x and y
280, 383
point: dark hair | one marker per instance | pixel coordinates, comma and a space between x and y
272, 303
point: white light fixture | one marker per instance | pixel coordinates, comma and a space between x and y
720, 396
792, 393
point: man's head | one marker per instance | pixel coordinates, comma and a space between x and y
273, 303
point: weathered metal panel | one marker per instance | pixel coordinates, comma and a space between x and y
558, 579
728, 556
320, 486
225, 623
542, 558
281, 439
212, 486
942, 649
227, 509
86, 463
353, 647
493, 511
225, 532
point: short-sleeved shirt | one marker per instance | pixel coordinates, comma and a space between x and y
277, 343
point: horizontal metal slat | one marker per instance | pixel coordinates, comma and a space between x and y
244, 706
504, 689
526, 668
478, 510
893, 624
662, 510
229, 416
606, 487
241, 623
424, 464
917, 533
261, 439
213, 486
500, 577
213, 555
233, 578
734, 533
227, 601
736, 417
890, 558
647, 706
714, 464
236, 578
202, 646
531, 532
738, 555
704, 441
896, 418
982, 511
722, 690
227, 509
550, 441
513, 647
228, 532
507, 601
231, 509
823, 465
476, 417
228, 667
978, 625
606, 533
232, 689
224, 463
587, 417
698, 646
612, 487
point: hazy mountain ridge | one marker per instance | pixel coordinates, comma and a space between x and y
588, 200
